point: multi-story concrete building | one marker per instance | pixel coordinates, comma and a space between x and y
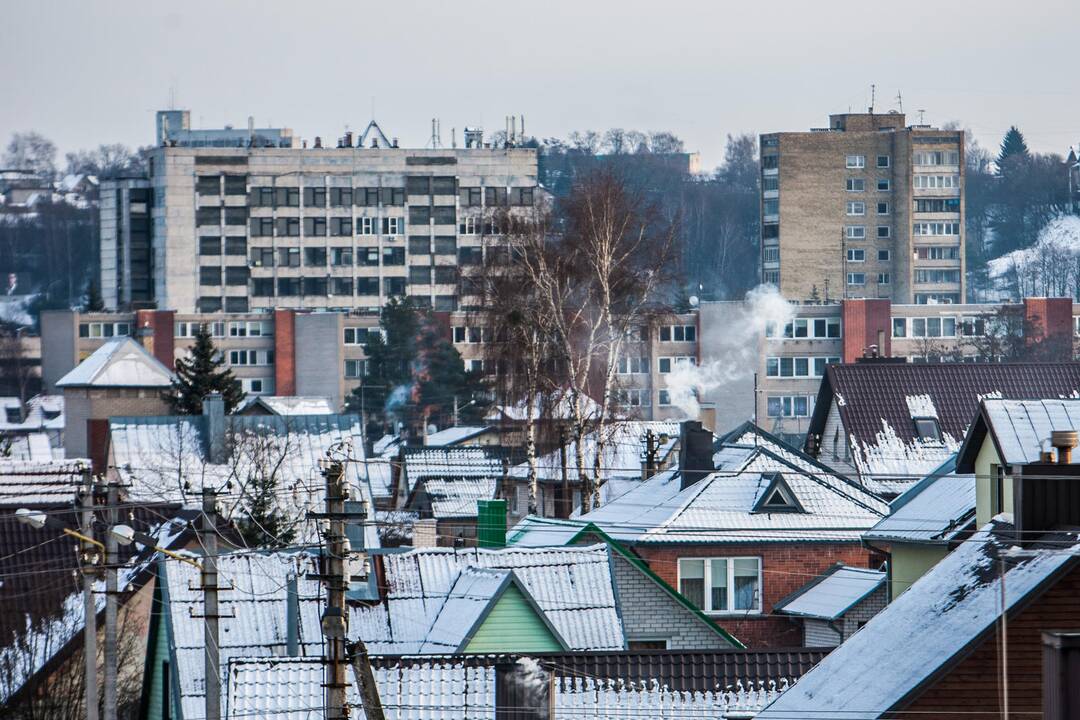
246, 220
865, 208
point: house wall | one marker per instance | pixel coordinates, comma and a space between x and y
784, 569
649, 613
82, 404
452, 533
984, 464
971, 688
909, 562
858, 616
819, 633
513, 626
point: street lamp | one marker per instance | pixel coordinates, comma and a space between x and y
38, 520
126, 535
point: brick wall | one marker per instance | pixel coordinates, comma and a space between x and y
1050, 320
284, 352
784, 569
161, 324
866, 323
970, 689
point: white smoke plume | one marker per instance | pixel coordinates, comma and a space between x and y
734, 354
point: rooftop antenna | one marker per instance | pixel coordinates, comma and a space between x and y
873, 96
921, 113
900, 100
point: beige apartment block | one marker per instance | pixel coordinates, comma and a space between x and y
865, 208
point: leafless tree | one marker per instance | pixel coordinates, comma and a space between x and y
16, 367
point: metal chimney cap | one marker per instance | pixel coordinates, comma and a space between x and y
1064, 438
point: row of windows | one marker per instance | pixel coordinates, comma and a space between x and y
935, 228
798, 367
857, 162
937, 276
807, 328
936, 205
665, 364
678, 333
471, 335
929, 327
936, 182
319, 227
859, 185
859, 255
937, 252
858, 232
359, 335
211, 185
321, 286
251, 357
858, 278
638, 397
938, 157
275, 197
104, 329
722, 585
778, 406
857, 208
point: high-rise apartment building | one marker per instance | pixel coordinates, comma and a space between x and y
865, 208
242, 221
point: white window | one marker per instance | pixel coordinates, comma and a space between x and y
797, 367
476, 366
258, 386
855, 232
883, 208
678, 333
788, 406
633, 365
883, 278
856, 207
771, 254
856, 278
856, 161
470, 225
929, 327
771, 277
856, 255
355, 368
883, 185
899, 327
855, 185
104, 329
936, 182
722, 585
365, 226
237, 329
393, 226
937, 158
251, 357
359, 335
935, 228
667, 363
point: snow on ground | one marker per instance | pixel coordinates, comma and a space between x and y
1045, 264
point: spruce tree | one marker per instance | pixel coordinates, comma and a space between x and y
94, 303
200, 374
1013, 148
389, 363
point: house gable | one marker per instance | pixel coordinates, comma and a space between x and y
512, 624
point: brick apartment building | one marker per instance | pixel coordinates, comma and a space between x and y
865, 208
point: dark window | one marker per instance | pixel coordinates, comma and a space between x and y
470, 256
262, 257
236, 215
445, 303
445, 245
236, 184
208, 185
341, 256
288, 286
341, 227
928, 429
287, 197
341, 286
367, 286
418, 185
367, 256
262, 196
209, 304
236, 246
770, 231
443, 186
209, 276
288, 227
495, 196
445, 215
288, 257
394, 286
316, 286
420, 245
341, 197
262, 227
315, 257
393, 256
368, 197
769, 162
445, 275
209, 246
236, 304
392, 196
315, 226
419, 214
208, 216
314, 197
262, 287
236, 275
633, 645
472, 197
420, 275
521, 196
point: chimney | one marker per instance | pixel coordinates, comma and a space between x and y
251, 128
214, 411
318, 142
1064, 441
292, 616
695, 453
1046, 496
348, 138
490, 523
523, 691
1061, 674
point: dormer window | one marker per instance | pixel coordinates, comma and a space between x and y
777, 496
928, 429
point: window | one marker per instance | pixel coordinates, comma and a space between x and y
236, 246
771, 207
209, 276
262, 257
419, 245
821, 362
341, 197
797, 367
445, 245
418, 185
633, 365
262, 227
315, 226
788, 406
341, 286
936, 182
496, 197
262, 197
341, 227
884, 255
665, 364
883, 278
355, 368
393, 226
367, 286
883, 161
470, 256
937, 205
365, 226
209, 246
419, 214
937, 252
262, 287
855, 185
236, 275
883, 208
632, 397
208, 185
899, 327
208, 304
359, 335
856, 207
288, 286
471, 196
288, 257
522, 197
251, 357
316, 286
287, 197
257, 386
393, 256
771, 276
445, 275
236, 216
927, 429
341, 256
770, 231
368, 257
770, 183
856, 255
856, 278
678, 333
444, 215
208, 216
287, 227
770, 162
315, 257
106, 329
770, 253
315, 197
883, 185
394, 286
942, 326
663, 398
856, 161
939, 157
884, 231
420, 275
469, 226
855, 232
722, 585
935, 228
937, 276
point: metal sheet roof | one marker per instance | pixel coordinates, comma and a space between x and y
121, 362
833, 593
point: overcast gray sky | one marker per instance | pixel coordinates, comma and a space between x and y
85, 73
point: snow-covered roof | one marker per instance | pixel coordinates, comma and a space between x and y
456, 497
544, 408
924, 630
120, 362
572, 586
293, 404
52, 482
623, 456
33, 446
833, 593
1019, 429
454, 435
935, 510
166, 458
450, 463
43, 412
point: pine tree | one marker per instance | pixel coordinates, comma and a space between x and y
1013, 148
264, 524
389, 363
199, 375
94, 303
445, 380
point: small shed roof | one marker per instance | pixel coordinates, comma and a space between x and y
936, 510
833, 593
1019, 429
121, 362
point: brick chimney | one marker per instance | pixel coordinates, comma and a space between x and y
285, 352
695, 453
154, 330
214, 411
866, 323
1050, 320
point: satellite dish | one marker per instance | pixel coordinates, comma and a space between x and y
693, 301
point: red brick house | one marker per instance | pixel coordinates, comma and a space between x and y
736, 529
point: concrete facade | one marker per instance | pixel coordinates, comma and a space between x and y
866, 208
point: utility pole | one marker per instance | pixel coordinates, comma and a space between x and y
112, 499
650, 454
86, 522
208, 533
335, 622
567, 499
365, 679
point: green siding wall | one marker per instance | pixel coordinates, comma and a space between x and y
159, 654
512, 626
910, 562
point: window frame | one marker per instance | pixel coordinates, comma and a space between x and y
729, 570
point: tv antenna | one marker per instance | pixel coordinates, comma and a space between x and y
873, 96
900, 101
922, 112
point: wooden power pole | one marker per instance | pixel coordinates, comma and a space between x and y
112, 500
86, 522
208, 533
335, 620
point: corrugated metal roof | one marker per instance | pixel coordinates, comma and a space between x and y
934, 511
457, 497
833, 593
26, 483
1022, 427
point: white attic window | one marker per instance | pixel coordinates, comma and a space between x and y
928, 429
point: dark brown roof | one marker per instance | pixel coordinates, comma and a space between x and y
873, 392
682, 670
